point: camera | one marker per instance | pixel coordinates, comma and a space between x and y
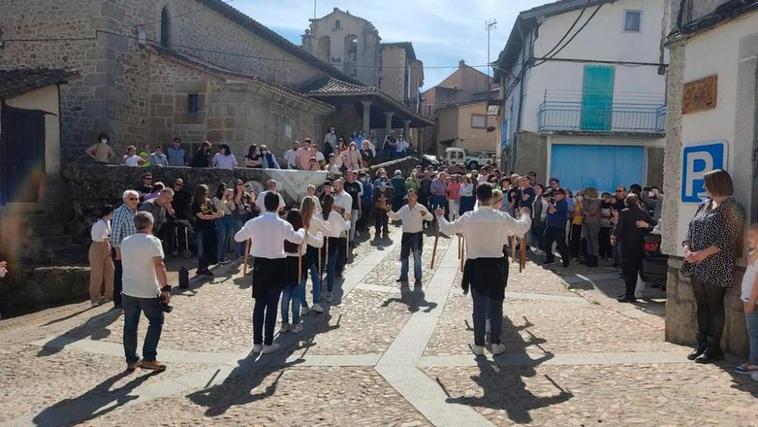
166, 308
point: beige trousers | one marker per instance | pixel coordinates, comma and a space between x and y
101, 271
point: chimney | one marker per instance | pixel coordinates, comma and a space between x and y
461, 63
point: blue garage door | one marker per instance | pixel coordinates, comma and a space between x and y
600, 166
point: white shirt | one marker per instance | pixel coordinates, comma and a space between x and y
289, 156
260, 201
413, 218
100, 231
319, 156
268, 233
317, 229
343, 200
337, 224
224, 162
748, 279
133, 160
486, 230
137, 254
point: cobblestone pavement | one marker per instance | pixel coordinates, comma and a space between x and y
381, 354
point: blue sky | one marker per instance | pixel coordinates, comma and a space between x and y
442, 31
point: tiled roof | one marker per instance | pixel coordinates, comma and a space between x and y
337, 87
16, 82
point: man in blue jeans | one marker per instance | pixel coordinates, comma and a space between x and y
555, 227
145, 286
413, 216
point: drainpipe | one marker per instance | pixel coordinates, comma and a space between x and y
514, 143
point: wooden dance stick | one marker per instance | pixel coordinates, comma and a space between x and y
434, 249
522, 255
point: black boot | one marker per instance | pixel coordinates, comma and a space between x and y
702, 344
712, 352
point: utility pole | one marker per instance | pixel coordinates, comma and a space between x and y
314, 9
490, 26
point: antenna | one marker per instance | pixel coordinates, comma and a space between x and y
314, 9
490, 26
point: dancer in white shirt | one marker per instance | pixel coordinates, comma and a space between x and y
267, 249
413, 216
486, 270
338, 224
315, 239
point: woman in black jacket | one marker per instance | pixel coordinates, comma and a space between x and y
634, 223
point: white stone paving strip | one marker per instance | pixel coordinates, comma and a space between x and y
398, 364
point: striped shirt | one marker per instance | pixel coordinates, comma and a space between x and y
122, 225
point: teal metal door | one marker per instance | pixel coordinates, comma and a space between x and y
597, 97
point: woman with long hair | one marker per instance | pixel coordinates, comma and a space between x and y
202, 157
291, 291
253, 157
223, 201
101, 264
243, 211
337, 224
224, 159
314, 239
205, 230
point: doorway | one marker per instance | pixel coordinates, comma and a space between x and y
22, 154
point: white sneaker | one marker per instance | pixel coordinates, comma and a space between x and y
754, 376
498, 349
478, 350
268, 349
317, 308
328, 297
285, 328
304, 311
257, 348
296, 329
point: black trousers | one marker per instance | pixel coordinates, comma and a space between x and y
604, 243
557, 235
381, 222
339, 244
710, 313
576, 240
264, 316
118, 279
631, 264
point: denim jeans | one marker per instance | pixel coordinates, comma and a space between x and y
355, 214
484, 308
332, 262
291, 298
133, 307
239, 247
311, 263
751, 320
416, 265
224, 226
264, 312
538, 232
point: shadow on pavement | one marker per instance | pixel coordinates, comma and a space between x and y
96, 328
94, 403
414, 299
503, 388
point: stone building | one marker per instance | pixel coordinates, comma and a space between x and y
352, 45
712, 123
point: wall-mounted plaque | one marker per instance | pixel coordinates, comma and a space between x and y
700, 95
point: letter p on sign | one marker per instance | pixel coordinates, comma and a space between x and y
697, 161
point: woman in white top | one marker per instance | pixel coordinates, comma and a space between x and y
224, 204
337, 225
224, 159
353, 157
314, 239
101, 264
131, 158
335, 164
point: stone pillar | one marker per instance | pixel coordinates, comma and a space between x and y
388, 121
366, 117
407, 130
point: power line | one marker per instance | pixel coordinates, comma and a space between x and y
597, 9
570, 29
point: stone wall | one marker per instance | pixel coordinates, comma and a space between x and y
681, 323
531, 155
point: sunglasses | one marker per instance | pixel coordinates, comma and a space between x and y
147, 179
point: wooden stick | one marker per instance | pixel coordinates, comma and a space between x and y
522, 255
513, 247
463, 251
436, 239
247, 255
299, 263
459, 246
326, 258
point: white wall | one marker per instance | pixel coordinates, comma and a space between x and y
45, 99
603, 39
718, 52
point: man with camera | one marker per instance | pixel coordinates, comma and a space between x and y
145, 289
555, 226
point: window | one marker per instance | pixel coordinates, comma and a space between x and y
632, 20
351, 48
165, 20
337, 24
478, 121
192, 103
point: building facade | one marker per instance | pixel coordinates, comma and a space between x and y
712, 123
583, 90
353, 45
459, 107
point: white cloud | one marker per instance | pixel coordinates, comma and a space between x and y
442, 31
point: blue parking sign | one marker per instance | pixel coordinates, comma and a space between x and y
697, 160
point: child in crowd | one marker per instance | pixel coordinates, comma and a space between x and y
750, 299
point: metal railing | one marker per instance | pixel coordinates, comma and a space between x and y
573, 116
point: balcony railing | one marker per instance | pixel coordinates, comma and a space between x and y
573, 116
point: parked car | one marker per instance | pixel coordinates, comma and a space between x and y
460, 156
654, 263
